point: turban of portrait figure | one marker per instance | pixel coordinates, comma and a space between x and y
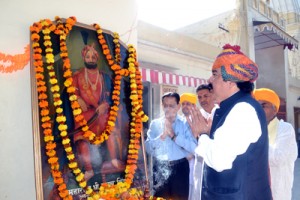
88, 48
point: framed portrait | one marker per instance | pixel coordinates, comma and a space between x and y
97, 132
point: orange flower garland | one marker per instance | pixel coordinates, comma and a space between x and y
43, 104
62, 30
137, 113
138, 116
15, 62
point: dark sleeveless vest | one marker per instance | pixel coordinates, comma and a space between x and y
248, 179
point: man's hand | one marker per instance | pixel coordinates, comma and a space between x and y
168, 130
82, 104
198, 123
102, 108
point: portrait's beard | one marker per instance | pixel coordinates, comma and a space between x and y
90, 65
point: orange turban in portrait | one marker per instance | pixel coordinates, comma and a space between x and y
189, 97
88, 48
265, 94
235, 66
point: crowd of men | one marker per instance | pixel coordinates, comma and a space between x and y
234, 147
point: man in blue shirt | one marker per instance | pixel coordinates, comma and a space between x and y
170, 166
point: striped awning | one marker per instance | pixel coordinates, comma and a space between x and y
268, 34
159, 77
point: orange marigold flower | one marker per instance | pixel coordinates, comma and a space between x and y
67, 73
35, 37
46, 125
54, 166
42, 89
50, 145
110, 62
115, 108
51, 153
109, 57
39, 76
58, 181
44, 112
115, 97
52, 160
71, 89
79, 118
47, 131
102, 40
64, 54
63, 47
64, 193
37, 68
42, 96
115, 67
87, 134
112, 118
62, 187
56, 173
105, 46
106, 51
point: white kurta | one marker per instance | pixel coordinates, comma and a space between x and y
282, 156
196, 173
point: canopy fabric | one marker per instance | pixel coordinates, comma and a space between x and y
267, 34
159, 77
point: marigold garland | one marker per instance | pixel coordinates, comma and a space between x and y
62, 30
106, 191
43, 103
11, 63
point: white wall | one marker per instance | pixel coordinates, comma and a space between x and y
16, 138
271, 67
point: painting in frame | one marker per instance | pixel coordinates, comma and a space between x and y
94, 84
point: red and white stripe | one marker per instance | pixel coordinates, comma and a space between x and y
155, 76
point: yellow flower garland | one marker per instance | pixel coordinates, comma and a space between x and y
137, 113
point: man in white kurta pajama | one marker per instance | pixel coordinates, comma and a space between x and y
235, 146
282, 146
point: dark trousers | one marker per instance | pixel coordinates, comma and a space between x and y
171, 179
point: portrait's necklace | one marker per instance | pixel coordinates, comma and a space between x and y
88, 81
